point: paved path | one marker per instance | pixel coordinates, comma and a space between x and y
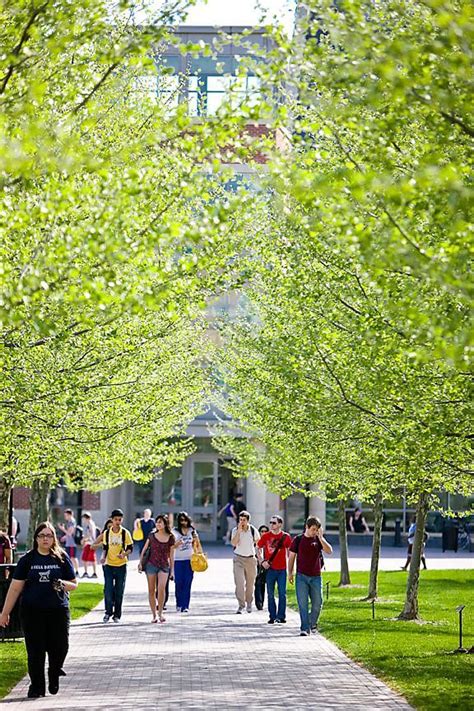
209, 658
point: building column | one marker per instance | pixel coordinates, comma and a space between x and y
317, 506
256, 500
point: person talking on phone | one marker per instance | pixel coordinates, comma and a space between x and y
307, 549
244, 537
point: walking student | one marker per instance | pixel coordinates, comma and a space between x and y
69, 528
307, 550
187, 541
244, 538
274, 546
158, 564
261, 579
43, 577
89, 534
118, 545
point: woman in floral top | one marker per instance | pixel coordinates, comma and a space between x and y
159, 564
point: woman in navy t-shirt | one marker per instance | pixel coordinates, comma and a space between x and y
44, 576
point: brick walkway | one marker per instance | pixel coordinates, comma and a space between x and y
207, 659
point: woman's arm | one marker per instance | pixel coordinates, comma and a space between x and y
98, 542
172, 562
140, 564
14, 592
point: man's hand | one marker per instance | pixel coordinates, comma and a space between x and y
266, 565
291, 578
4, 620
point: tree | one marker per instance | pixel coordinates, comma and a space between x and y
355, 369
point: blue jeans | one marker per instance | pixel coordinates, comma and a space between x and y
114, 576
183, 577
309, 586
278, 577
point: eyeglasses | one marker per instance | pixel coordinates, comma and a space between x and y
45, 535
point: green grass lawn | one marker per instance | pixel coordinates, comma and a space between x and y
13, 654
411, 657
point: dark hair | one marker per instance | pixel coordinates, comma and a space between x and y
238, 496
185, 515
55, 549
262, 527
68, 511
116, 512
313, 521
166, 521
108, 523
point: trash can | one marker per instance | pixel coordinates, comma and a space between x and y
14, 629
450, 537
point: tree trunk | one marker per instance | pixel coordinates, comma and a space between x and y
376, 543
410, 611
5, 491
39, 505
345, 578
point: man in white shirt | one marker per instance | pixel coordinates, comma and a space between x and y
244, 537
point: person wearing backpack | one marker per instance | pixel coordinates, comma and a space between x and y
43, 577
118, 544
307, 549
244, 538
274, 546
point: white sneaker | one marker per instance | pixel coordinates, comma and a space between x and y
240, 610
249, 608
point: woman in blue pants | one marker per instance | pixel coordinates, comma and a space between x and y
187, 540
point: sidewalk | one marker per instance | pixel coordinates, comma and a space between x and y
207, 659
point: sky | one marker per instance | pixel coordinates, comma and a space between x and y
241, 12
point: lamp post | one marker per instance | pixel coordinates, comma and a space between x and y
460, 649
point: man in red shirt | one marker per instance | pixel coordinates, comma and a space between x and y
275, 545
306, 548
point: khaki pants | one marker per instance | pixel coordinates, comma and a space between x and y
245, 572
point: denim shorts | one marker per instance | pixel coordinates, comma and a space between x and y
151, 569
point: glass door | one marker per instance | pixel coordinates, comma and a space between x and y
203, 496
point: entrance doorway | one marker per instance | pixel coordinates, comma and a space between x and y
201, 487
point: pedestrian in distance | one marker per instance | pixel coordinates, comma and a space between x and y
261, 579
229, 511
244, 538
118, 545
273, 546
411, 540
187, 542
107, 525
239, 506
307, 549
6, 552
157, 560
43, 577
69, 539
357, 523
89, 534
145, 525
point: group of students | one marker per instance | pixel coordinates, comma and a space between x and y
265, 559
45, 575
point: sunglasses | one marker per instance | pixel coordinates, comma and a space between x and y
273, 522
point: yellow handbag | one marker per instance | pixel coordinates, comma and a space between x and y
199, 562
137, 534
